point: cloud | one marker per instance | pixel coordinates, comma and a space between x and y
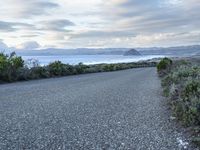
30, 45
100, 22
143, 40
13, 26
27, 9
153, 16
104, 34
6, 26
3, 46
146, 23
56, 25
29, 35
38, 7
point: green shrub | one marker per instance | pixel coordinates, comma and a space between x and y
39, 72
80, 68
108, 67
9, 66
192, 88
182, 85
3, 61
164, 66
16, 62
56, 68
68, 70
24, 74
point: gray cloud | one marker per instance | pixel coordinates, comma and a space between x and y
112, 22
26, 9
146, 22
155, 15
13, 26
30, 45
37, 8
58, 25
29, 35
104, 34
6, 26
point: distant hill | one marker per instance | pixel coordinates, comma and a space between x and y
131, 52
191, 50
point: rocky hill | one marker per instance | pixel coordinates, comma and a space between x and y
131, 52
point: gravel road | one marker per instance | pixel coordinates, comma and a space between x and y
103, 111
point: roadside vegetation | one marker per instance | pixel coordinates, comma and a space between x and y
181, 84
13, 68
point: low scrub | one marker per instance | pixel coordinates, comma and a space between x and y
181, 84
13, 68
164, 66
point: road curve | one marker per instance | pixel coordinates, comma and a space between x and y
110, 111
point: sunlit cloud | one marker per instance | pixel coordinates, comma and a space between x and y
28, 45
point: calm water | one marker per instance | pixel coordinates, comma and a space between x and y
89, 59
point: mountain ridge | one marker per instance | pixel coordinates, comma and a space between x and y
179, 50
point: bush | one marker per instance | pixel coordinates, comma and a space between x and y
164, 66
16, 62
187, 108
192, 88
56, 68
23, 74
39, 72
9, 66
182, 86
80, 68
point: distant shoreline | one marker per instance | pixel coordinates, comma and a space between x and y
90, 59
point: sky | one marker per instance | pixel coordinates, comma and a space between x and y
35, 24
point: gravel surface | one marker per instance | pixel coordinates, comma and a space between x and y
102, 111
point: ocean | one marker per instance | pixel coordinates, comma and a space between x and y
89, 59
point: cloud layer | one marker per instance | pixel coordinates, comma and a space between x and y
3, 46
29, 45
100, 23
